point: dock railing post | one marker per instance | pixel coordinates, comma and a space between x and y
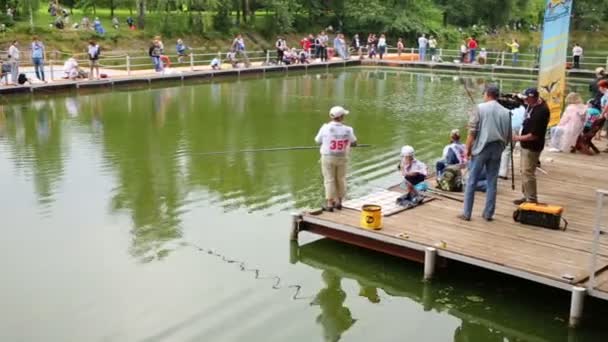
191, 61
606, 63
128, 65
430, 256
597, 231
295, 226
51, 62
576, 305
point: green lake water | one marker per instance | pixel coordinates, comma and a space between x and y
116, 226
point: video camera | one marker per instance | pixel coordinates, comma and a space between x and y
510, 101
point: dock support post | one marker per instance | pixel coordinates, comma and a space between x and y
576, 305
294, 252
427, 297
295, 226
430, 256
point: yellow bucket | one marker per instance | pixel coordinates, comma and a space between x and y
371, 216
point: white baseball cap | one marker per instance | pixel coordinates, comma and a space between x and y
337, 111
455, 131
407, 151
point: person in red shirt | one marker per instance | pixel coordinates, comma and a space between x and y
472, 45
305, 43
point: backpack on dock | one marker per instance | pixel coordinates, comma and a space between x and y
540, 215
450, 180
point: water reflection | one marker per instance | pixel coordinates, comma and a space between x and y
35, 146
464, 299
335, 318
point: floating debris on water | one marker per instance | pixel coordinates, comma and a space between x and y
475, 299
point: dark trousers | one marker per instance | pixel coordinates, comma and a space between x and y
322, 53
280, 54
577, 61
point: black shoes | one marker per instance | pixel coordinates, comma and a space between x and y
523, 200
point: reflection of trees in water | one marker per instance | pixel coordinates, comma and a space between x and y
34, 137
335, 318
151, 138
142, 151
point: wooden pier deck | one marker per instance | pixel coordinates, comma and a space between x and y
560, 259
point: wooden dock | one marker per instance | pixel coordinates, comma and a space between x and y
560, 259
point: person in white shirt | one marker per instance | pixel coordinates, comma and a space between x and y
14, 55
422, 43
70, 69
93, 52
482, 58
382, 45
432, 47
412, 170
577, 53
463, 52
215, 64
453, 153
335, 138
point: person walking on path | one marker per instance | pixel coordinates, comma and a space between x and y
489, 133
422, 43
433, 48
14, 55
238, 46
400, 47
281, 46
323, 41
38, 57
357, 46
335, 139
94, 52
514, 45
463, 52
472, 45
180, 48
532, 140
155, 53
382, 46
577, 53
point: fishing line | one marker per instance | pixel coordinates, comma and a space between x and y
258, 274
269, 149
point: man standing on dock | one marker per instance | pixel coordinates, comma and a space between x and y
489, 133
422, 43
335, 138
532, 140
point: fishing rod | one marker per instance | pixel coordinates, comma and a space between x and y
270, 149
466, 89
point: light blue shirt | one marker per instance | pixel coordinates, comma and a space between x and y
517, 120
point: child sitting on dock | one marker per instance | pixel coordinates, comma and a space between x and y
414, 172
453, 154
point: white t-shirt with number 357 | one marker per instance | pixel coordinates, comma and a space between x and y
335, 139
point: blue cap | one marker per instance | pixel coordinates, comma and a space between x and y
531, 92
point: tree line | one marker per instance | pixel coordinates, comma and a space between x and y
395, 17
